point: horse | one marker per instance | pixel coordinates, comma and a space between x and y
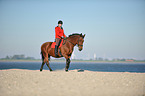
65, 50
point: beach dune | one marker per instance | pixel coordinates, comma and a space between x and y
18, 82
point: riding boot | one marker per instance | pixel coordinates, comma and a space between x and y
56, 50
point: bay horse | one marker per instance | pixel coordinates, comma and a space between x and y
66, 50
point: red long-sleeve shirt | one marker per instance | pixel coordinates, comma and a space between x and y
59, 32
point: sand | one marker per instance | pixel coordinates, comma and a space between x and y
18, 82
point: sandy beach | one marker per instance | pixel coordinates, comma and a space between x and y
18, 82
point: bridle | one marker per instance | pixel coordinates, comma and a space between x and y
73, 43
78, 43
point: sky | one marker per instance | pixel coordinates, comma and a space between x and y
113, 28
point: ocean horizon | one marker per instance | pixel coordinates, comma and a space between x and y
90, 66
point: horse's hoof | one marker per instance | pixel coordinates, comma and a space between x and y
51, 70
66, 70
40, 70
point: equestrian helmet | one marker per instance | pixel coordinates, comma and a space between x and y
60, 22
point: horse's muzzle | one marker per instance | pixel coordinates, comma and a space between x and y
80, 49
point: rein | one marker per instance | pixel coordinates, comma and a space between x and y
68, 41
73, 43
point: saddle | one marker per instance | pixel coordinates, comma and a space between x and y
54, 43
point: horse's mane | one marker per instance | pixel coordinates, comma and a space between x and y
74, 34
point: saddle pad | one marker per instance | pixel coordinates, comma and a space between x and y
54, 43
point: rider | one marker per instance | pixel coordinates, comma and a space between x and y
59, 34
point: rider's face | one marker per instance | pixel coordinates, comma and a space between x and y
59, 25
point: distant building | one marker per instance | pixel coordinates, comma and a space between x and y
19, 57
100, 59
95, 57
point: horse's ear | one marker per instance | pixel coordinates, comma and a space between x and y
81, 34
84, 35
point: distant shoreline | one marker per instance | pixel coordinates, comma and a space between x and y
63, 60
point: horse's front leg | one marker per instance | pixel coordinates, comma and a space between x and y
67, 61
67, 64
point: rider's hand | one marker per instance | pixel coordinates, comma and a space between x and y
65, 38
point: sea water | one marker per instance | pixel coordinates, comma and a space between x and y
90, 66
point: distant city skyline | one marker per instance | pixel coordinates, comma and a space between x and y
113, 28
23, 57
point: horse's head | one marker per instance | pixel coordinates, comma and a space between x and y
80, 41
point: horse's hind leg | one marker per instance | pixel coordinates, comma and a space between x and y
42, 66
45, 59
47, 63
42, 54
48, 57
